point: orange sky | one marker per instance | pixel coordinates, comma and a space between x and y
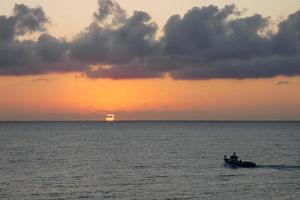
69, 97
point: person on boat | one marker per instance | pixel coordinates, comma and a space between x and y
234, 157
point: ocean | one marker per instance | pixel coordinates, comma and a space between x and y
148, 160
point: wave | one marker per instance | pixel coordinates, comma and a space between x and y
281, 167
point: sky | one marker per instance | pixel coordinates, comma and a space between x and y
150, 60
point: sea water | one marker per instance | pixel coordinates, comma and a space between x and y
148, 160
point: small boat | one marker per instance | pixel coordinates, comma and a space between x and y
238, 163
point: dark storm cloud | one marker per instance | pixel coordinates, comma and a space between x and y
24, 57
287, 40
242, 69
126, 45
207, 46
29, 19
205, 43
45, 55
50, 49
23, 20
110, 9
109, 45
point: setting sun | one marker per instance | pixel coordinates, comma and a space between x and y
110, 118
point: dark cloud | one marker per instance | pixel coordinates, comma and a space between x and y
110, 9
205, 43
207, 46
126, 46
7, 28
106, 45
24, 20
287, 40
50, 49
29, 19
27, 57
45, 55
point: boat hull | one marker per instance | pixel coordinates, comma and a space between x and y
239, 163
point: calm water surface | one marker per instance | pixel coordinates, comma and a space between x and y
148, 160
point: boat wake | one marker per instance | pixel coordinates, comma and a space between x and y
281, 167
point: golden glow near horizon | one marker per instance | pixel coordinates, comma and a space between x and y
67, 97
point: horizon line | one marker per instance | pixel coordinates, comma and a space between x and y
116, 121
